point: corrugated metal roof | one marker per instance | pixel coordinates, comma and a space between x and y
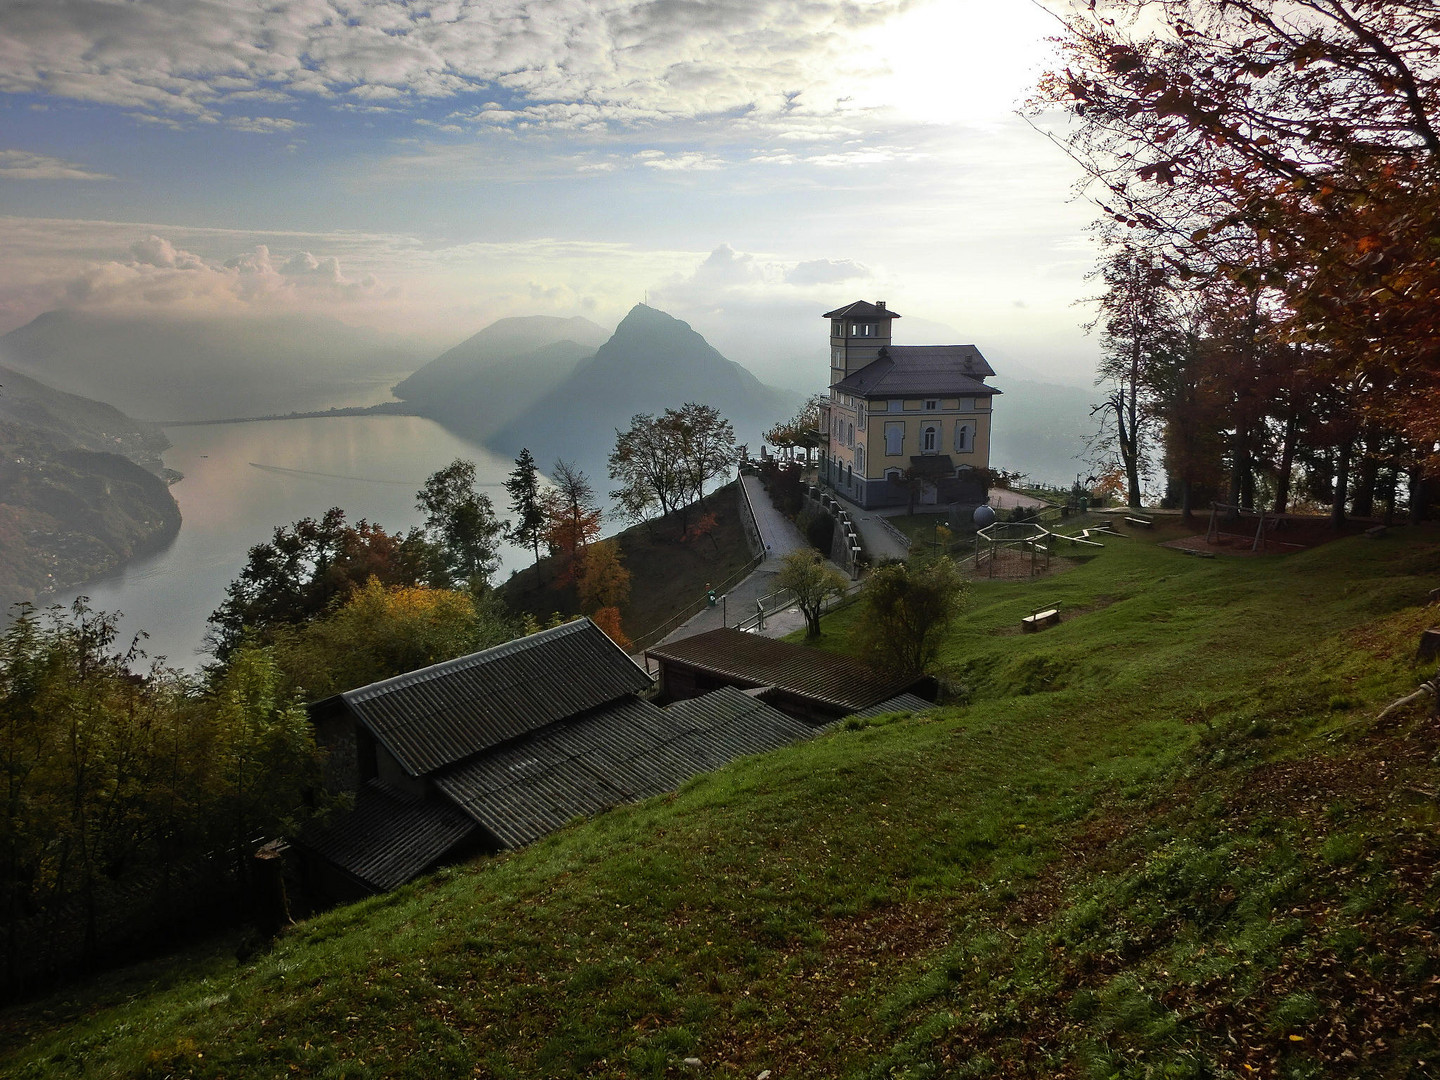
750, 660
439, 715
899, 703
388, 838
922, 370
621, 753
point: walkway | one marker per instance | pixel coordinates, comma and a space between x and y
780, 537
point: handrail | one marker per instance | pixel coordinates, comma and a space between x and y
650, 637
905, 541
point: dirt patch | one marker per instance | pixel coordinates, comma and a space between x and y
1291, 533
1011, 564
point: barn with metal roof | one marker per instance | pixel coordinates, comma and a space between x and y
496, 749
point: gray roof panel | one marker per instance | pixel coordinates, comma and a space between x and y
749, 660
440, 715
622, 753
388, 838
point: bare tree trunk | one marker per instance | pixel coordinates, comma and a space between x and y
1342, 482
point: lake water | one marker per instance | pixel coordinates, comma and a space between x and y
242, 480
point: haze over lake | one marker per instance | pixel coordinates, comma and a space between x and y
242, 480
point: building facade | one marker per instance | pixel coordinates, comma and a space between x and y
906, 423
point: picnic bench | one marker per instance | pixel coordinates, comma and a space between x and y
1030, 623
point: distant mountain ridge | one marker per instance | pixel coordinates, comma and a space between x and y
504, 369
652, 362
79, 490
208, 367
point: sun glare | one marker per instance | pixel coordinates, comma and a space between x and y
961, 61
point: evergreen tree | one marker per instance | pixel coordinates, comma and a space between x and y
529, 526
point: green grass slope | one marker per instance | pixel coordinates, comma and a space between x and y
1165, 839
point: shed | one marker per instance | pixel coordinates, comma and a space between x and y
805, 683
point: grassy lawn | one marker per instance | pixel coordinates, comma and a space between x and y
1164, 839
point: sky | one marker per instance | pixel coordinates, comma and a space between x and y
425, 167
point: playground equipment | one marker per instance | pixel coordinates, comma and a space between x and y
1235, 522
1003, 539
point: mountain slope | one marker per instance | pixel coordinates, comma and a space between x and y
651, 363
501, 371
70, 420
1166, 838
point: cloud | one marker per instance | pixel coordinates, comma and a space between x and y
544, 64
261, 125
23, 165
825, 272
158, 274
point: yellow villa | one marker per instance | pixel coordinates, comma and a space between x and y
903, 420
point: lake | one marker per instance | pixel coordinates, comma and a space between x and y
242, 480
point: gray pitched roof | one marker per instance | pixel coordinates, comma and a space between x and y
624, 752
861, 309
899, 703
920, 371
751, 660
388, 838
439, 715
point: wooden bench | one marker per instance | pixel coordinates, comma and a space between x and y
1030, 623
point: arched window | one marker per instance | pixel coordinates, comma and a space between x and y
929, 439
849, 476
850, 436
860, 459
964, 438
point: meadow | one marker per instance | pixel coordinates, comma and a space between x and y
1165, 838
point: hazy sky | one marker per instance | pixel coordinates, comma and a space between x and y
428, 166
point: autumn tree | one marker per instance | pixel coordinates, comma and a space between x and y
384, 630
1306, 129
603, 581
646, 462
1136, 324
460, 522
706, 443
305, 567
572, 517
664, 462
813, 581
802, 431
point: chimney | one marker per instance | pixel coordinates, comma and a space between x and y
880, 304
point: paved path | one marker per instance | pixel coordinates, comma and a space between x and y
780, 537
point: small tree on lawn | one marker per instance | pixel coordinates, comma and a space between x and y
813, 581
908, 609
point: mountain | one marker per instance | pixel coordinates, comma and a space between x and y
210, 367
651, 363
74, 422
504, 369
79, 490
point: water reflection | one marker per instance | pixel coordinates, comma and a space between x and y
242, 480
